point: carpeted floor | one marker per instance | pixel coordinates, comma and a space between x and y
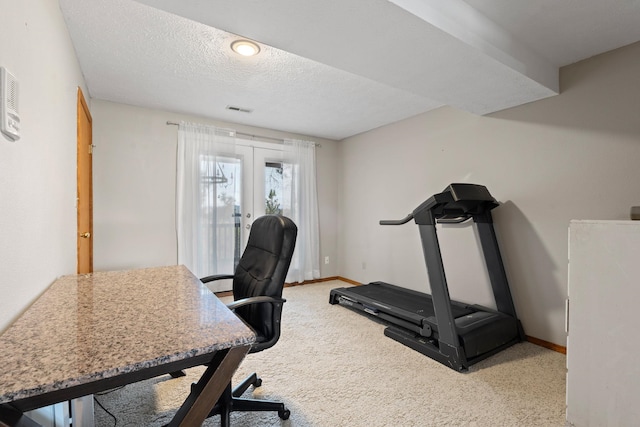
334, 367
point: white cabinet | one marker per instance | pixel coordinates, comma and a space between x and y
603, 346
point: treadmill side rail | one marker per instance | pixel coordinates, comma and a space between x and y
453, 357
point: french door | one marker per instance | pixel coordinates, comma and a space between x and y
245, 185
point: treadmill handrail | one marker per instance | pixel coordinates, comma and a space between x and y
447, 220
404, 220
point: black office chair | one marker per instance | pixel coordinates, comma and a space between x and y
257, 293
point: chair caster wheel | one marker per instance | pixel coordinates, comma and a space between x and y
284, 414
258, 382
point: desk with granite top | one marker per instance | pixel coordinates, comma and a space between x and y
90, 333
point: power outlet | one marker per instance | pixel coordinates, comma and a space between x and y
326, 260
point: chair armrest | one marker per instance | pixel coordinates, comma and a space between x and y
276, 313
255, 300
216, 277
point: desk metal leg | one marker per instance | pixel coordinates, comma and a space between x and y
82, 412
206, 392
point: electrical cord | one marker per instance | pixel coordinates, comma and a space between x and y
115, 420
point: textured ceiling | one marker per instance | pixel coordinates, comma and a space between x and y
336, 68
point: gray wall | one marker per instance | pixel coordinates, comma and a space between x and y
38, 172
135, 179
573, 156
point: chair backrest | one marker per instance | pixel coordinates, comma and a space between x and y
262, 271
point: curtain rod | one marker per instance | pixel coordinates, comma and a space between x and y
280, 140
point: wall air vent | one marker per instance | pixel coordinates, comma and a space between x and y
239, 109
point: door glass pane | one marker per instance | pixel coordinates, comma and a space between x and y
277, 188
221, 209
273, 188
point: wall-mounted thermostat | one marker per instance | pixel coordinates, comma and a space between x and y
9, 117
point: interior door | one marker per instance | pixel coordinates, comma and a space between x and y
84, 186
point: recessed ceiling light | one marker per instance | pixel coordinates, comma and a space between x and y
245, 47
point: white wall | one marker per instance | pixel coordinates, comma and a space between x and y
38, 172
134, 186
573, 156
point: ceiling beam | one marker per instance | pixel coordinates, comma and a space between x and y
458, 19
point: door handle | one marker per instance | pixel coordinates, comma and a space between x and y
85, 235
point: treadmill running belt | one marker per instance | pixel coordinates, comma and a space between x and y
406, 299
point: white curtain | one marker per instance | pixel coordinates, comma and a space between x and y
300, 159
208, 183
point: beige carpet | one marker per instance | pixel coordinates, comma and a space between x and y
335, 367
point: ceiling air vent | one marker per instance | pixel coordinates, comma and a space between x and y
239, 109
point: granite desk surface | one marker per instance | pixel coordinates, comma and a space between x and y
85, 328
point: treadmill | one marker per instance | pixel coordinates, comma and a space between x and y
453, 333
